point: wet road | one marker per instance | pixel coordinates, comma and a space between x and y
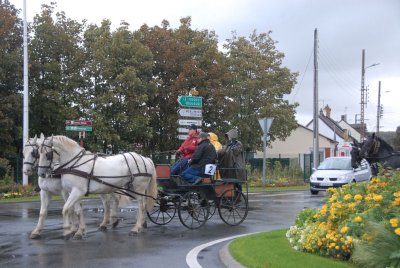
157, 246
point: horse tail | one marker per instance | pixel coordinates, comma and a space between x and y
152, 190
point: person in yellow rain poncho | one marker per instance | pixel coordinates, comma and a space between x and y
217, 145
214, 141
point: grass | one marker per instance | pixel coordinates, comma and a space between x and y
272, 249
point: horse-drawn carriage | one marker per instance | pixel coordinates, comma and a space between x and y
195, 204
156, 191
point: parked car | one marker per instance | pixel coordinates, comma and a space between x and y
336, 172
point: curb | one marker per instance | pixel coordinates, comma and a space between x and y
226, 258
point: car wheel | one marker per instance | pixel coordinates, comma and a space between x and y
314, 192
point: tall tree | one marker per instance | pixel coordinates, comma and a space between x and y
185, 59
119, 75
10, 84
56, 60
257, 86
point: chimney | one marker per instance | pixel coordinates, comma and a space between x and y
344, 118
327, 110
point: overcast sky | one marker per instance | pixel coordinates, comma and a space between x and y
345, 28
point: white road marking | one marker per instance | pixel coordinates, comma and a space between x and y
191, 257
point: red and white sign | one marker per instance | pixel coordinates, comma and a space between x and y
79, 122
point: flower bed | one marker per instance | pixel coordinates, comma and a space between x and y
354, 223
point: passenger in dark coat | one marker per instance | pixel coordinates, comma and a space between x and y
204, 154
231, 161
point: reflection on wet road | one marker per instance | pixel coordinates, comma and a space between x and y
156, 246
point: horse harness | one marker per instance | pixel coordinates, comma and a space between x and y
375, 150
34, 153
73, 170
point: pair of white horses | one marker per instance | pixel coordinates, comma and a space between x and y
81, 173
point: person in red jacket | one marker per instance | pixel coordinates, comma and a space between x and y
186, 150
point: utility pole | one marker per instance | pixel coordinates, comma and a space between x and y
362, 127
26, 91
378, 110
315, 116
363, 95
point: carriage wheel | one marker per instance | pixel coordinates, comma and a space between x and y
233, 207
212, 208
193, 210
164, 210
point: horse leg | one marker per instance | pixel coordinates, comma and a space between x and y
44, 204
72, 199
114, 201
139, 216
78, 213
72, 216
105, 199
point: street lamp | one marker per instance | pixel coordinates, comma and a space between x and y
363, 102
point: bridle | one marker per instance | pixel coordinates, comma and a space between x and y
49, 154
34, 154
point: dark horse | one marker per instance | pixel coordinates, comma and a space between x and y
356, 158
376, 150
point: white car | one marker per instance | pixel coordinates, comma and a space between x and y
337, 171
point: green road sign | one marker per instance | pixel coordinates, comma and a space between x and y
78, 128
190, 101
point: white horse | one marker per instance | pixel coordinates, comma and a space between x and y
83, 173
52, 186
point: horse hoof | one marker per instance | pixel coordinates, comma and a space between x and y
77, 237
133, 233
34, 236
103, 228
115, 224
68, 236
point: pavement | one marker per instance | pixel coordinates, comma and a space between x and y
227, 259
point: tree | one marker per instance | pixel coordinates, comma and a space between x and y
119, 78
256, 89
10, 84
56, 61
184, 59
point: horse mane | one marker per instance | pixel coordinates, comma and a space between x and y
385, 144
67, 142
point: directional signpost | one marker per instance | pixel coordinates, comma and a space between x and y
265, 124
190, 113
190, 101
79, 125
78, 128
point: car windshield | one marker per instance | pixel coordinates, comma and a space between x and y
335, 164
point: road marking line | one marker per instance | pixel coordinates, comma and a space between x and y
191, 257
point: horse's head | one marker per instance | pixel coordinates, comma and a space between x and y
355, 154
47, 155
370, 147
31, 155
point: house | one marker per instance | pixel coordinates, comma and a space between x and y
351, 128
342, 133
300, 142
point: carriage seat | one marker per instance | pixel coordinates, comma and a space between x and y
164, 176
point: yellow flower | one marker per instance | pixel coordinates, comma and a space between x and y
378, 197
344, 229
347, 197
358, 219
397, 231
394, 222
358, 197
